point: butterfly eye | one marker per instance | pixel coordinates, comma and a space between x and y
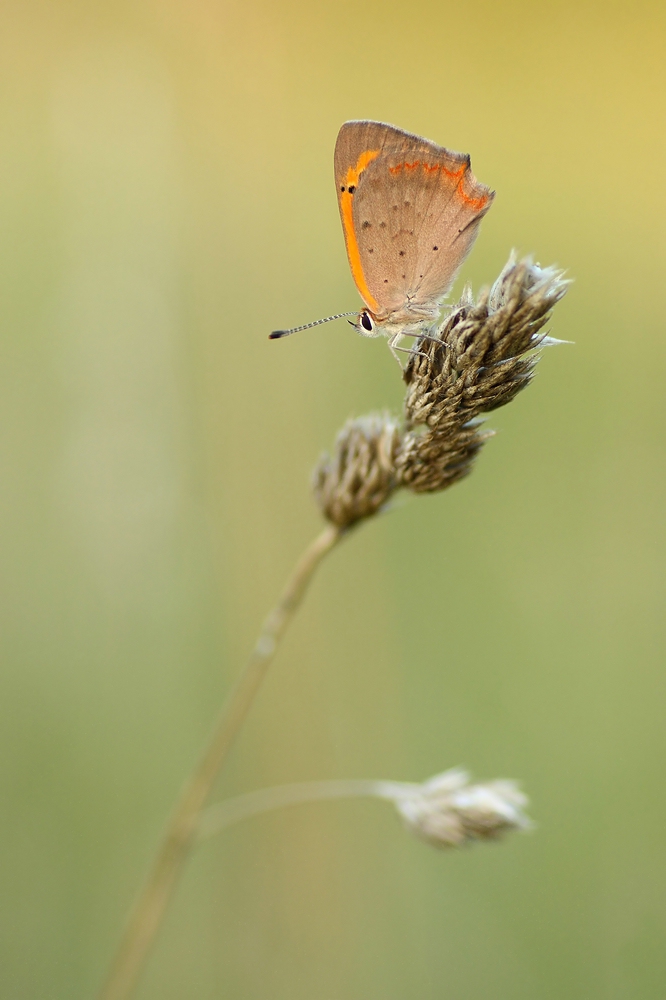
366, 322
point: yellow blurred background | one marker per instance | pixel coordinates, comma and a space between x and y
166, 200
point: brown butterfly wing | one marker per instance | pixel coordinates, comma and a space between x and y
447, 235
410, 219
357, 145
356, 137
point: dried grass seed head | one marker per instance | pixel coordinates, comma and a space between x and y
481, 357
483, 354
360, 476
448, 811
476, 362
431, 461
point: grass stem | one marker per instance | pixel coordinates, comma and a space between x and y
152, 903
218, 817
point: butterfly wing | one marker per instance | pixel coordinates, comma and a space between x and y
410, 212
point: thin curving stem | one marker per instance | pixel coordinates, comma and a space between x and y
150, 907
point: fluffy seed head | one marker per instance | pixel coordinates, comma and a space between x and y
481, 357
448, 811
476, 362
483, 354
360, 475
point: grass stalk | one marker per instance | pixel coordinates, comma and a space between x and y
179, 836
218, 817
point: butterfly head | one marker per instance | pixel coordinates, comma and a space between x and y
366, 324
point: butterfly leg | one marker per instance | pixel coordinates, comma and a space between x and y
423, 336
393, 344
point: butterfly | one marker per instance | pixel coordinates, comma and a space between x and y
410, 213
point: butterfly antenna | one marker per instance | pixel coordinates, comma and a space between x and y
276, 334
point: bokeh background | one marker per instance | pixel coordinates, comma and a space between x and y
167, 199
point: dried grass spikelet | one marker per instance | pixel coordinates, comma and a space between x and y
482, 355
447, 811
360, 476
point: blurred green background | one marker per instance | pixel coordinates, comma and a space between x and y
167, 199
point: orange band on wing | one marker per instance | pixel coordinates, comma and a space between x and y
346, 211
428, 168
474, 203
347, 202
